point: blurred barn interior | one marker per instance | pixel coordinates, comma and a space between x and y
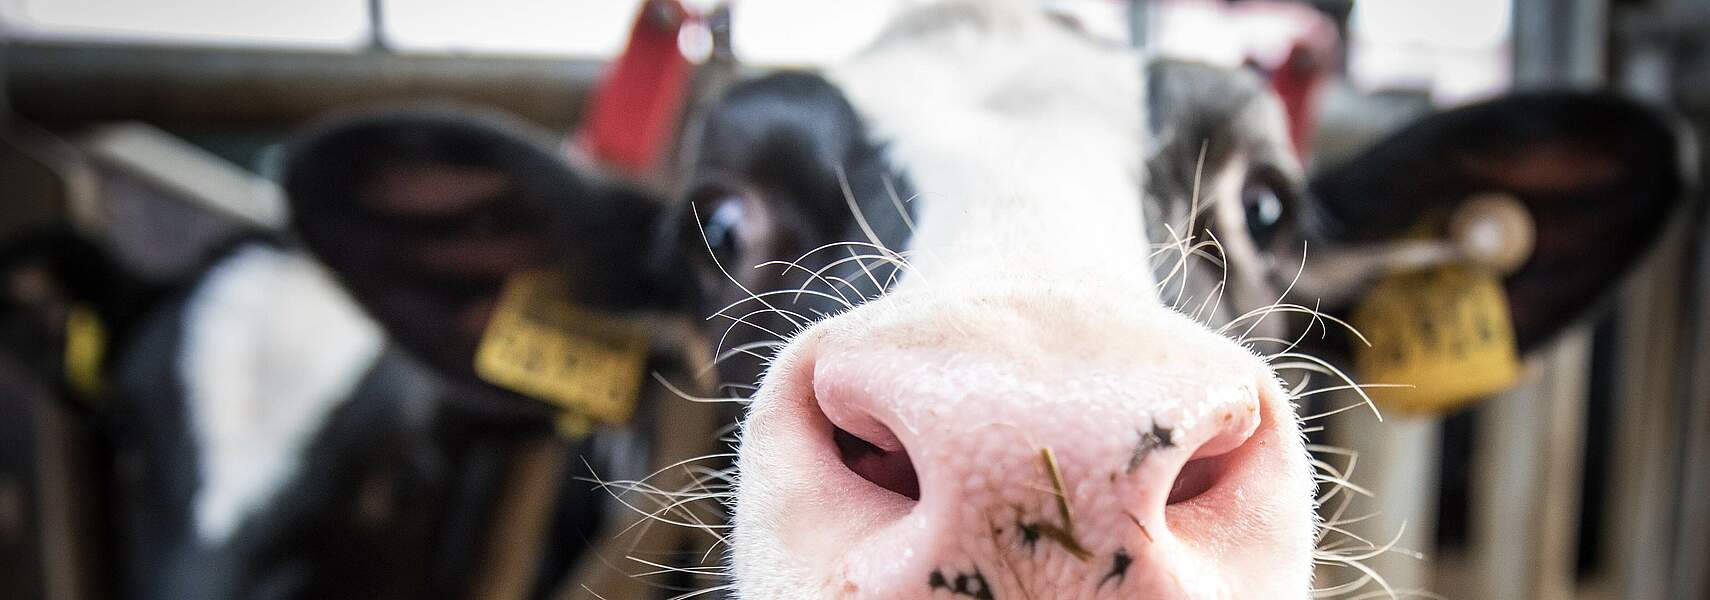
151, 129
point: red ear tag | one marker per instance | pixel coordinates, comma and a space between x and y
632, 117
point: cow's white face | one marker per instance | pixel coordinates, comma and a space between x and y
1022, 415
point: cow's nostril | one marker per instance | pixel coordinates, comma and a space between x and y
1197, 477
891, 470
1214, 460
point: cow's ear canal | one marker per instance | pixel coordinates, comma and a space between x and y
483, 252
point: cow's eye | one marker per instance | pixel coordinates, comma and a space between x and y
1266, 209
721, 225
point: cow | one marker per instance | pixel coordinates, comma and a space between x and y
1017, 314
219, 447
1015, 307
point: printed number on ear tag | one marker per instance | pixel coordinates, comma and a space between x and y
540, 344
1444, 331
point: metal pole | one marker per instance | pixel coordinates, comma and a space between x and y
5, 99
1666, 61
230, 87
377, 26
1691, 552
1140, 23
1398, 461
1560, 43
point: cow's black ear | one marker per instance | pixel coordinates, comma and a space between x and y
1598, 174
424, 214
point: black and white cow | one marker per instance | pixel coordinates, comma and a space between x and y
961, 269
269, 441
958, 261
272, 441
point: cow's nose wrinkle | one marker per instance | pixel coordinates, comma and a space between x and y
888, 469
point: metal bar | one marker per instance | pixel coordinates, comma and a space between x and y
5, 99
1525, 499
72, 536
23, 569
1561, 452
1398, 461
1691, 553
233, 87
1661, 524
1140, 23
188, 171
1562, 408
377, 25
1692, 542
522, 516
1560, 43
1645, 445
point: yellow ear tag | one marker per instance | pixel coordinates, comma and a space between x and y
540, 344
85, 350
1445, 331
